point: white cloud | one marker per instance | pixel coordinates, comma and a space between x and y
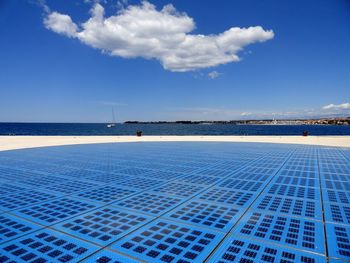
43, 5
61, 24
143, 31
343, 106
214, 74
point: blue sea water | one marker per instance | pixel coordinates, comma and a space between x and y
167, 129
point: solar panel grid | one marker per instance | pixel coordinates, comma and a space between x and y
186, 189
45, 246
56, 210
104, 225
237, 249
12, 227
25, 198
297, 207
273, 228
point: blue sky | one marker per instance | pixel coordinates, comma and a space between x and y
295, 62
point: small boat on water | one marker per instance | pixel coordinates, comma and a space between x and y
113, 123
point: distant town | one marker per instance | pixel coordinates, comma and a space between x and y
322, 121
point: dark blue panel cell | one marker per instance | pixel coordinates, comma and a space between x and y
289, 231
216, 216
12, 227
54, 211
45, 246
150, 203
236, 249
167, 241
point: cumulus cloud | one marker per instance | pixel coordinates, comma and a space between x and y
61, 24
214, 74
343, 106
143, 31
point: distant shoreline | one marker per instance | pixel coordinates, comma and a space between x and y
323, 121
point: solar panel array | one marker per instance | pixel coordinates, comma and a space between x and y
175, 202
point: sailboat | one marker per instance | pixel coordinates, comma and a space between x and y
112, 124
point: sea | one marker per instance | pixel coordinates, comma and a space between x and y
66, 129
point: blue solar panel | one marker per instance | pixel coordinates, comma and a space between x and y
168, 241
7, 188
54, 211
105, 194
334, 196
149, 203
226, 196
22, 199
175, 202
338, 238
336, 185
337, 213
179, 189
215, 216
12, 227
236, 249
199, 179
104, 225
243, 185
45, 246
40, 181
295, 191
275, 228
297, 181
139, 183
70, 187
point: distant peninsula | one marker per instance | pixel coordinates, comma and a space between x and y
321, 121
